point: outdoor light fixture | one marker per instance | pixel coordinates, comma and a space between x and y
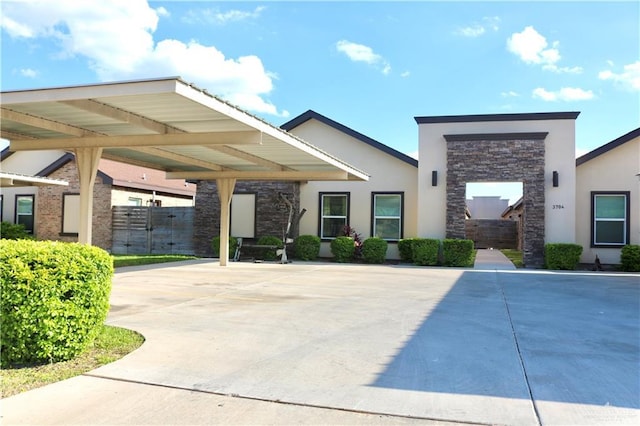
434, 178
555, 179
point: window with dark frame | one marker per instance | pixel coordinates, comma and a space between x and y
334, 213
387, 215
24, 211
609, 219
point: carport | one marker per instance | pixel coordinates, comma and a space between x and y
166, 124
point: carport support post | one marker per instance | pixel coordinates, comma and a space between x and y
225, 192
87, 160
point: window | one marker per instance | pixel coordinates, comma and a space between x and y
610, 219
24, 211
70, 214
386, 212
133, 201
334, 213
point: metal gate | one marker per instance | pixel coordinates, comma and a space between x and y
152, 230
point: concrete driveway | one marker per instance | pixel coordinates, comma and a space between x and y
313, 343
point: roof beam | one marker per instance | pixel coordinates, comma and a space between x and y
13, 135
128, 141
262, 175
43, 123
118, 114
249, 157
178, 157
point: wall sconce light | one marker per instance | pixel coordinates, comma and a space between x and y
434, 178
555, 179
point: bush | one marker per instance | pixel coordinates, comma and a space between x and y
630, 258
457, 252
269, 254
405, 249
374, 250
53, 300
14, 231
425, 251
562, 255
307, 247
215, 246
342, 249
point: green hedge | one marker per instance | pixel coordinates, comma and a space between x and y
405, 249
374, 250
53, 299
457, 252
215, 246
306, 247
425, 251
630, 258
343, 249
269, 254
562, 255
14, 231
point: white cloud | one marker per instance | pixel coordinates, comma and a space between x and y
532, 48
510, 94
116, 38
361, 53
405, 74
476, 30
567, 94
216, 16
161, 11
629, 77
28, 72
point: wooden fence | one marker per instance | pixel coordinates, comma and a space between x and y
152, 230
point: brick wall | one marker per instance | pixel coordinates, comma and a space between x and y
271, 211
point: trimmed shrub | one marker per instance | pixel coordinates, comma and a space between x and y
265, 253
306, 247
457, 252
630, 258
215, 246
343, 249
53, 300
425, 251
374, 250
405, 248
562, 255
14, 231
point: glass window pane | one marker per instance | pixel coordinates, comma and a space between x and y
610, 206
334, 205
25, 205
388, 205
27, 221
388, 229
332, 227
609, 232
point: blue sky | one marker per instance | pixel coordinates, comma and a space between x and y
372, 66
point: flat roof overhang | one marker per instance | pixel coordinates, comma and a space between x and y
165, 124
15, 179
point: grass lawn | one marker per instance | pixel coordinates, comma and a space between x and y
132, 260
514, 256
111, 344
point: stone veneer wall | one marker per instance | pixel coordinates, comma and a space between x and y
49, 208
271, 211
499, 159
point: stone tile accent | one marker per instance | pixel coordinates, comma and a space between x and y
271, 211
516, 160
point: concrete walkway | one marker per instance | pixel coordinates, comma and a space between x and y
312, 343
492, 260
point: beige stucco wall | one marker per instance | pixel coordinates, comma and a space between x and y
120, 197
30, 162
559, 156
387, 173
614, 170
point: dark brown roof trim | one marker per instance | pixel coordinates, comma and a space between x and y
64, 160
498, 117
6, 154
310, 114
496, 136
609, 146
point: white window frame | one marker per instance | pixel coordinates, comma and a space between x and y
321, 215
33, 211
594, 220
399, 218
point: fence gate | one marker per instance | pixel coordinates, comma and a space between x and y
152, 230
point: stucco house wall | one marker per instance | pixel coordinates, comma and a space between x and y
389, 170
613, 167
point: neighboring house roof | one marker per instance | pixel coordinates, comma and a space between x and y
5, 154
515, 206
310, 114
16, 179
609, 146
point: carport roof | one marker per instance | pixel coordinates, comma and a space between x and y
166, 124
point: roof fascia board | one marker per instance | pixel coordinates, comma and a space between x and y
609, 146
337, 175
571, 115
6, 153
310, 114
147, 187
495, 136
